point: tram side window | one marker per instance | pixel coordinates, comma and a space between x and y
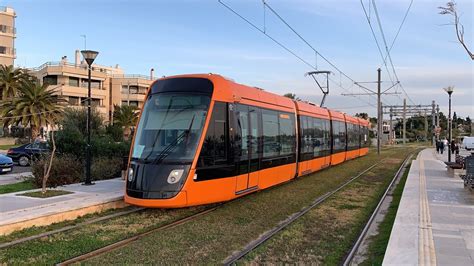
318, 139
364, 137
327, 136
214, 150
271, 139
339, 136
352, 136
287, 134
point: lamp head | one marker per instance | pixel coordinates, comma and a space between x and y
89, 56
449, 89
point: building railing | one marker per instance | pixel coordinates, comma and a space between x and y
135, 76
72, 65
7, 9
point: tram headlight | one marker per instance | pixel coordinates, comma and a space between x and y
175, 176
130, 174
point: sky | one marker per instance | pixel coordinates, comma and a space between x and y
177, 37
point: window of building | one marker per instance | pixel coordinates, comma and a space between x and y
74, 100
3, 50
50, 80
133, 89
133, 103
124, 89
95, 102
74, 82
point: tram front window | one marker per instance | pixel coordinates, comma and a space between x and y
170, 128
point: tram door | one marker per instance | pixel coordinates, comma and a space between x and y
327, 140
249, 155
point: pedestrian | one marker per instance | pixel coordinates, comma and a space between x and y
437, 146
445, 144
453, 146
457, 148
441, 146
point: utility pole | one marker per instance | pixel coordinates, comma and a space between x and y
390, 137
404, 120
379, 112
426, 127
433, 123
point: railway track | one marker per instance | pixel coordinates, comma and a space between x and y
69, 227
269, 234
365, 230
126, 241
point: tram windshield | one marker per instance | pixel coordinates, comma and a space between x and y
170, 127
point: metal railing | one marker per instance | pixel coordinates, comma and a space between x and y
136, 76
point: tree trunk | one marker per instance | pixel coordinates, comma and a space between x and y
126, 133
34, 132
48, 169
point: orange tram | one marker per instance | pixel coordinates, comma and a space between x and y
203, 138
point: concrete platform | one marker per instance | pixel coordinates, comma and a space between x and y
18, 212
435, 219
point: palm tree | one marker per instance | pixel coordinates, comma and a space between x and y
34, 106
11, 80
125, 116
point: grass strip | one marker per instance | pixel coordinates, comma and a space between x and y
61, 246
20, 186
325, 234
8, 146
212, 238
378, 243
47, 194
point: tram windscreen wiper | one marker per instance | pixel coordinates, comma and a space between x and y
166, 151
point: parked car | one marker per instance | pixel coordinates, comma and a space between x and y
468, 143
6, 164
25, 153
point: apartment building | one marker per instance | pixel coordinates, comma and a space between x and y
109, 85
7, 36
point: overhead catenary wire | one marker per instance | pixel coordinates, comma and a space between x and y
292, 52
379, 22
387, 49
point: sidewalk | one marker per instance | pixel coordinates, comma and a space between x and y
17, 212
435, 219
12, 178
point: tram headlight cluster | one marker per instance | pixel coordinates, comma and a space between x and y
130, 174
175, 176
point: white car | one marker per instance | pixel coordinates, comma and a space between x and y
468, 143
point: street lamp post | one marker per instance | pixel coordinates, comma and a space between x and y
89, 56
449, 90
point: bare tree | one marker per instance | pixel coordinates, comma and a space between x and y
450, 9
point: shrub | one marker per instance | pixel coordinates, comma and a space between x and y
115, 131
106, 168
66, 169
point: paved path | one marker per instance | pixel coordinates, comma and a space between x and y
435, 219
17, 209
12, 178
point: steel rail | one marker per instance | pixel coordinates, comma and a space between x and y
364, 231
69, 227
126, 241
267, 235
